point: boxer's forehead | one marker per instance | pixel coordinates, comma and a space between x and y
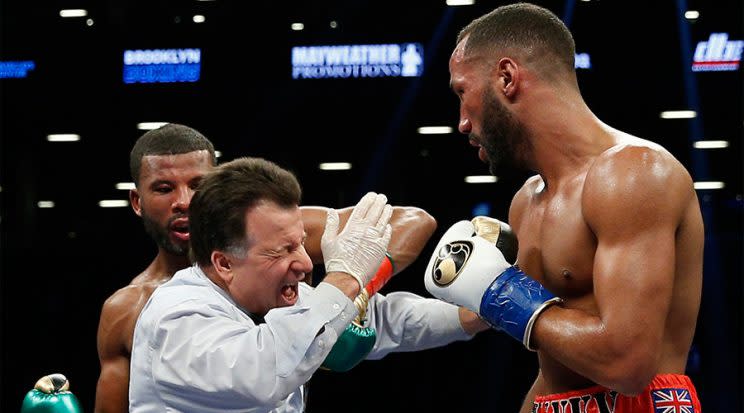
167, 166
464, 58
459, 53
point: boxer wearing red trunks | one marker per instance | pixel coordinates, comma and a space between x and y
667, 393
609, 272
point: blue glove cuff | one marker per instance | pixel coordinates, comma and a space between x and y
512, 303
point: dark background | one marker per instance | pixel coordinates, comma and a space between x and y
60, 264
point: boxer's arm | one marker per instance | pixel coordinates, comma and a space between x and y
114, 332
633, 202
113, 385
412, 228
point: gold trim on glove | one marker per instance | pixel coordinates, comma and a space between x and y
488, 228
53, 383
361, 301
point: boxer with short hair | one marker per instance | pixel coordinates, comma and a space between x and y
608, 279
166, 165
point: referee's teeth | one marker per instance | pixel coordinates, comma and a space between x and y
289, 291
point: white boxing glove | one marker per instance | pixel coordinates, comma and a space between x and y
458, 230
472, 272
462, 268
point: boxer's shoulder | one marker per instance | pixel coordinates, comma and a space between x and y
631, 183
533, 185
120, 312
634, 165
521, 200
130, 298
152, 275
631, 152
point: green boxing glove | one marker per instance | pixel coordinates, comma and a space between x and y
51, 394
356, 341
351, 348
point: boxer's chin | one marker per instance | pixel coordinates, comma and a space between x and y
177, 247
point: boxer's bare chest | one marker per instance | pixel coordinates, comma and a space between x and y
556, 246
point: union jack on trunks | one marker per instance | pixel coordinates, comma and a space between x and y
672, 401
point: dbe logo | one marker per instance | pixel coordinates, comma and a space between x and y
371, 60
717, 54
162, 65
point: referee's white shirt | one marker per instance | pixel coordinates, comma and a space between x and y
196, 350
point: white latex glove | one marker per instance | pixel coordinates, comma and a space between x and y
360, 247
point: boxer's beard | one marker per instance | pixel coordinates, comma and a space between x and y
160, 235
504, 138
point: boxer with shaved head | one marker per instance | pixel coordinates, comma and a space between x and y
608, 278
